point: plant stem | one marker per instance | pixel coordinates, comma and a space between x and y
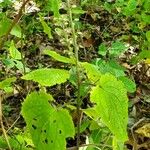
22, 42
1, 121
76, 48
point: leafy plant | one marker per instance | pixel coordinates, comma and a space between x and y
49, 126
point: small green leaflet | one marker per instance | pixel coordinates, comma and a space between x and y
14, 53
49, 127
4, 26
112, 105
117, 48
102, 49
16, 30
148, 35
6, 84
46, 28
54, 6
58, 57
144, 54
48, 77
145, 18
77, 10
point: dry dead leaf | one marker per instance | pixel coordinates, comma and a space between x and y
144, 130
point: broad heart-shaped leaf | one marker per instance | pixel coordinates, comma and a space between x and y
48, 126
48, 77
58, 57
112, 104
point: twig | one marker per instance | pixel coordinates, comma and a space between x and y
13, 124
1, 121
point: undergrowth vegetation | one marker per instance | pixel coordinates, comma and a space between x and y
72, 73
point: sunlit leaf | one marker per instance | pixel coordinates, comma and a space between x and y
110, 96
4, 26
48, 126
16, 30
58, 57
14, 53
6, 84
148, 35
48, 77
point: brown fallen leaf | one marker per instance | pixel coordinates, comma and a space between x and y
144, 130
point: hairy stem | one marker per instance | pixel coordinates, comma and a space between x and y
76, 48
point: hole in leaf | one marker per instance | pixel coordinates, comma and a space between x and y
45, 131
34, 127
60, 131
51, 141
35, 119
46, 141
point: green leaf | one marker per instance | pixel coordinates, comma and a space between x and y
55, 6
131, 8
147, 5
112, 105
102, 50
117, 48
4, 26
6, 84
117, 145
144, 54
46, 28
129, 84
77, 10
92, 72
16, 30
145, 18
48, 126
48, 77
58, 57
148, 35
110, 66
14, 53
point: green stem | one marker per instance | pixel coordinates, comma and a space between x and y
76, 48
